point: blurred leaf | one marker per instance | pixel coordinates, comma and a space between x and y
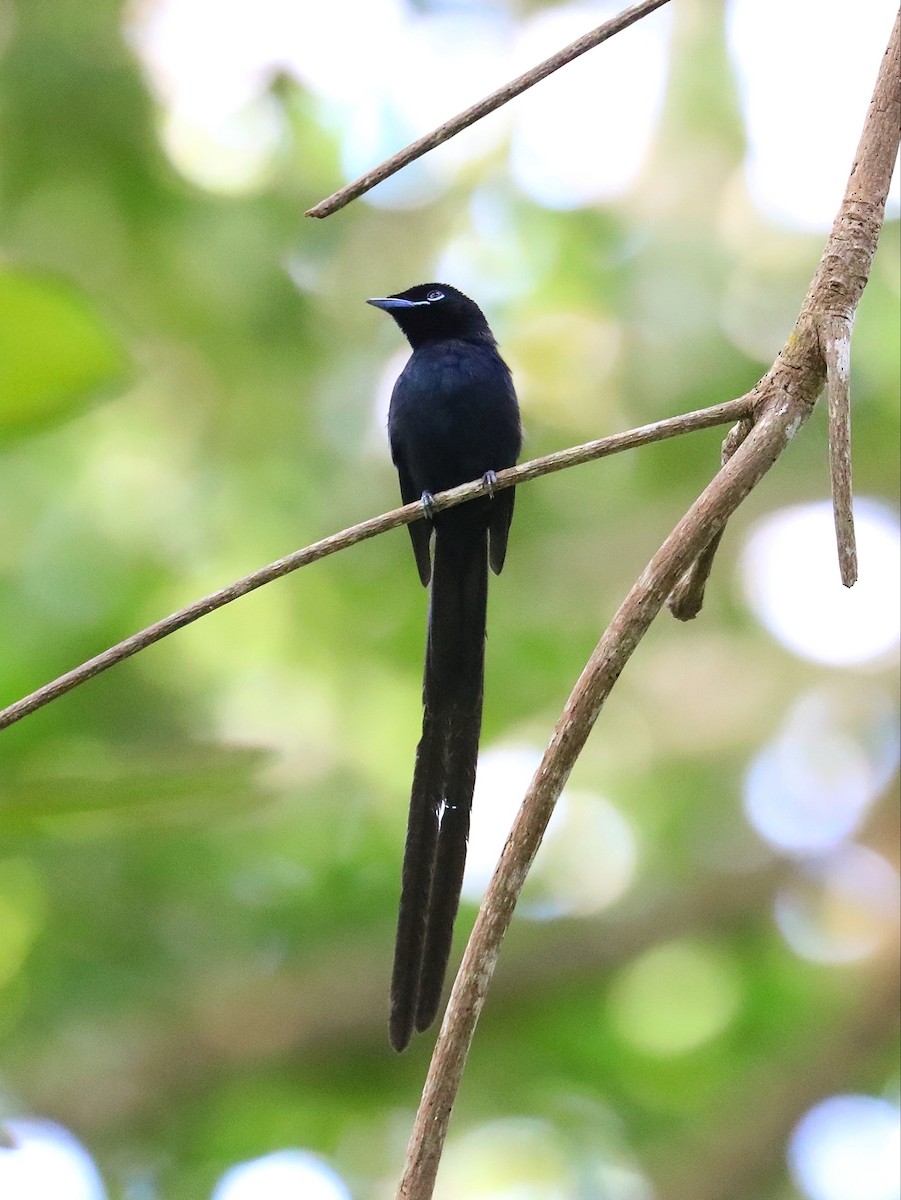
182, 787
56, 353
201, 849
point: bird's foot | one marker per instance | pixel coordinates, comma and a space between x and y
489, 479
427, 500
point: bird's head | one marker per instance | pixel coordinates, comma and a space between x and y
432, 312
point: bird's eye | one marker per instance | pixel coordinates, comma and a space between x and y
435, 296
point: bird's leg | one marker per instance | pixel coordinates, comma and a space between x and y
427, 500
489, 479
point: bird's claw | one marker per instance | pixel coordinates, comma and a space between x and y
489, 479
427, 500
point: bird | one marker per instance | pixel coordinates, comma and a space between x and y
453, 418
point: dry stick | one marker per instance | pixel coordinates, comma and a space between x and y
835, 344
687, 597
705, 418
781, 401
464, 119
843, 270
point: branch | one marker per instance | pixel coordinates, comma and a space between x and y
687, 596
842, 274
782, 401
464, 119
835, 343
705, 418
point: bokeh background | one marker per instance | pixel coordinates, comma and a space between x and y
201, 849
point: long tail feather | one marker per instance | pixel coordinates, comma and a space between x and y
416, 886
444, 778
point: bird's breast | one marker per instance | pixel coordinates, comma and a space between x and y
454, 414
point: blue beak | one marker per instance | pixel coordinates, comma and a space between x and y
389, 302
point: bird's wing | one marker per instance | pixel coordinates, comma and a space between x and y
421, 530
499, 527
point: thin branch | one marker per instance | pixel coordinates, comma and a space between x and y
705, 418
687, 597
835, 344
475, 113
783, 399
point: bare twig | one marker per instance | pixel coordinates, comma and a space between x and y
842, 273
835, 345
781, 402
705, 418
464, 119
687, 596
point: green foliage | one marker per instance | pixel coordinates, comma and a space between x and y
55, 354
200, 848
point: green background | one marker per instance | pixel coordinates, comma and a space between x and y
200, 850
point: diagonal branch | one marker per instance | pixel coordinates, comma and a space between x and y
782, 401
705, 418
463, 120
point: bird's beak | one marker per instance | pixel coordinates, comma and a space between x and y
389, 302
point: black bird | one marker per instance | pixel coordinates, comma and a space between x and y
453, 418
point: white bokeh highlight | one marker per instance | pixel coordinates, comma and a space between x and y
282, 1175
46, 1162
503, 775
805, 94
790, 574
588, 856
578, 138
848, 1148
811, 786
561, 154
841, 908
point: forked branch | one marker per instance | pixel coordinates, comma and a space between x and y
781, 402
